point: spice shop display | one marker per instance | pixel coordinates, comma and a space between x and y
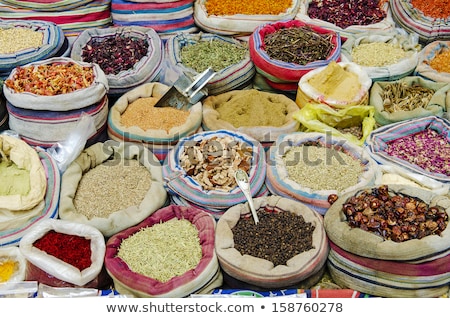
287, 247
23, 42
129, 56
405, 235
427, 19
408, 98
348, 17
310, 167
169, 254
339, 85
261, 115
434, 62
112, 186
64, 254
73, 17
284, 51
228, 17
165, 17
134, 118
419, 145
353, 123
385, 57
228, 57
12, 265
199, 171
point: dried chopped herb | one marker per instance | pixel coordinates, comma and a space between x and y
215, 54
116, 53
299, 45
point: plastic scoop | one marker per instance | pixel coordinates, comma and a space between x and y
242, 181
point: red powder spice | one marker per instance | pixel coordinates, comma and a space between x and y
72, 249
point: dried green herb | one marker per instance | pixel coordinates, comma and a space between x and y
299, 45
215, 54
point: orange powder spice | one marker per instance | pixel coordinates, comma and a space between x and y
232, 7
441, 62
433, 8
141, 113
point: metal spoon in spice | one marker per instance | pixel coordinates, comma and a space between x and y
242, 181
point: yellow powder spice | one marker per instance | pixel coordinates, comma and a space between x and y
143, 114
7, 268
15, 181
251, 108
232, 7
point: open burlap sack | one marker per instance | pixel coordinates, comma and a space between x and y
119, 220
16, 151
261, 272
367, 244
213, 121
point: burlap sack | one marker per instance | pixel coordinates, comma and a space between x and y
261, 272
96, 154
363, 243
212, 120
25, 157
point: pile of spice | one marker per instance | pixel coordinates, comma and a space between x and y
322, 168
213, 162
116, 53
356, 131
441, 62
8, 267
428, 149
401, 96
250, 108
72, 249
232, 7
438, 9
16, 39
215, 54
142, 114
162, 251
345, 13
300, 45
15, 180
393, 216
377, 54
336, 83
111, 186
278, 236
51, 79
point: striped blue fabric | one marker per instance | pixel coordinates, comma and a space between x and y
178, 183
55, 5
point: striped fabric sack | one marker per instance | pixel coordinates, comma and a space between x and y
282, 73
377, 142
146, 70
205, 277
385, 25
179, 183
428, 53
233, 77
375, 246
238, 24
4, 117
404, 67
77, 99
45, 128
279, 182
165, 17
12, 236
159, 141
47, 5
259, 271
83, 15
389, 278
413, 20
52, 42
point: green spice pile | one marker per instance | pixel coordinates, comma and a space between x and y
162, 251
299, 45
215, 54
400, 96
322, 168
277, 237
377, 54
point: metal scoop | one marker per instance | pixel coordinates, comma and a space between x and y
242, 181
186, 92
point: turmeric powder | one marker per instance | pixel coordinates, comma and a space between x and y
7, 268
232, 7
